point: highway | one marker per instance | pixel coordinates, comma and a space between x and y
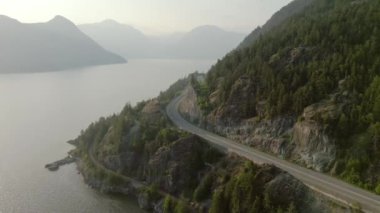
332, 187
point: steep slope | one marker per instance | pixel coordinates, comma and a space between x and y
51, 46
279, 17
307, 90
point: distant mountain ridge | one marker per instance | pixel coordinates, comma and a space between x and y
55, 45
207, 41
121, 39
204, 42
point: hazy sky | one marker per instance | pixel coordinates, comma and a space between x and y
151, 16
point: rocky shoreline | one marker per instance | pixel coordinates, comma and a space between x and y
142, 195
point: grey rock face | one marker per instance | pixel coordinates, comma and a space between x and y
269, 135
313, 146
305, 141
173, 167
284, 189
189, 106
143, 201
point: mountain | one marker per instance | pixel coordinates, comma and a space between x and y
207, 42
51, 46
279, 17
308, 90
119, 38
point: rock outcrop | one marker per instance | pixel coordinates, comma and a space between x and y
173, 167
313, 145
151, 111
189, 107
306, 141
239, 106
284, 184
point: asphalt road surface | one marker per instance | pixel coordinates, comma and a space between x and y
325, 184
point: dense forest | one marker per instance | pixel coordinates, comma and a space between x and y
182, 173
328, 52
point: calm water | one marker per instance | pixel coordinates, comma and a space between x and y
39, 112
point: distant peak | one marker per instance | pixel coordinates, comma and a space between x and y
207, 28
110, 22
59, 17
4, 17
60, 20
7, 19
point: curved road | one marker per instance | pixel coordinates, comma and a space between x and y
325, 184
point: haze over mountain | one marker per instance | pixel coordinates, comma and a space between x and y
121, 39
207, 42
204, 42
54, 45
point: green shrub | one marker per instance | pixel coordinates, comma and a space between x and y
291, 208
203, 190
218, 203
377, 189
114, 179
167, 207
181, 207
167, 135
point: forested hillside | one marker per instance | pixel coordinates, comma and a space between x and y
318, 75
179, 172
278, 18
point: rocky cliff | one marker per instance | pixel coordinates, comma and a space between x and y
305, 141
189, 107
313, 144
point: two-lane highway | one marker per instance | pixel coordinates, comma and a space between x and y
325, 184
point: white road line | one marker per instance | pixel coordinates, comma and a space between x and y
343, 191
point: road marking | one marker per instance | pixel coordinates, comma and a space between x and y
298, 171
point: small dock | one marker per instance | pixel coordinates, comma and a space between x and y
55, 166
